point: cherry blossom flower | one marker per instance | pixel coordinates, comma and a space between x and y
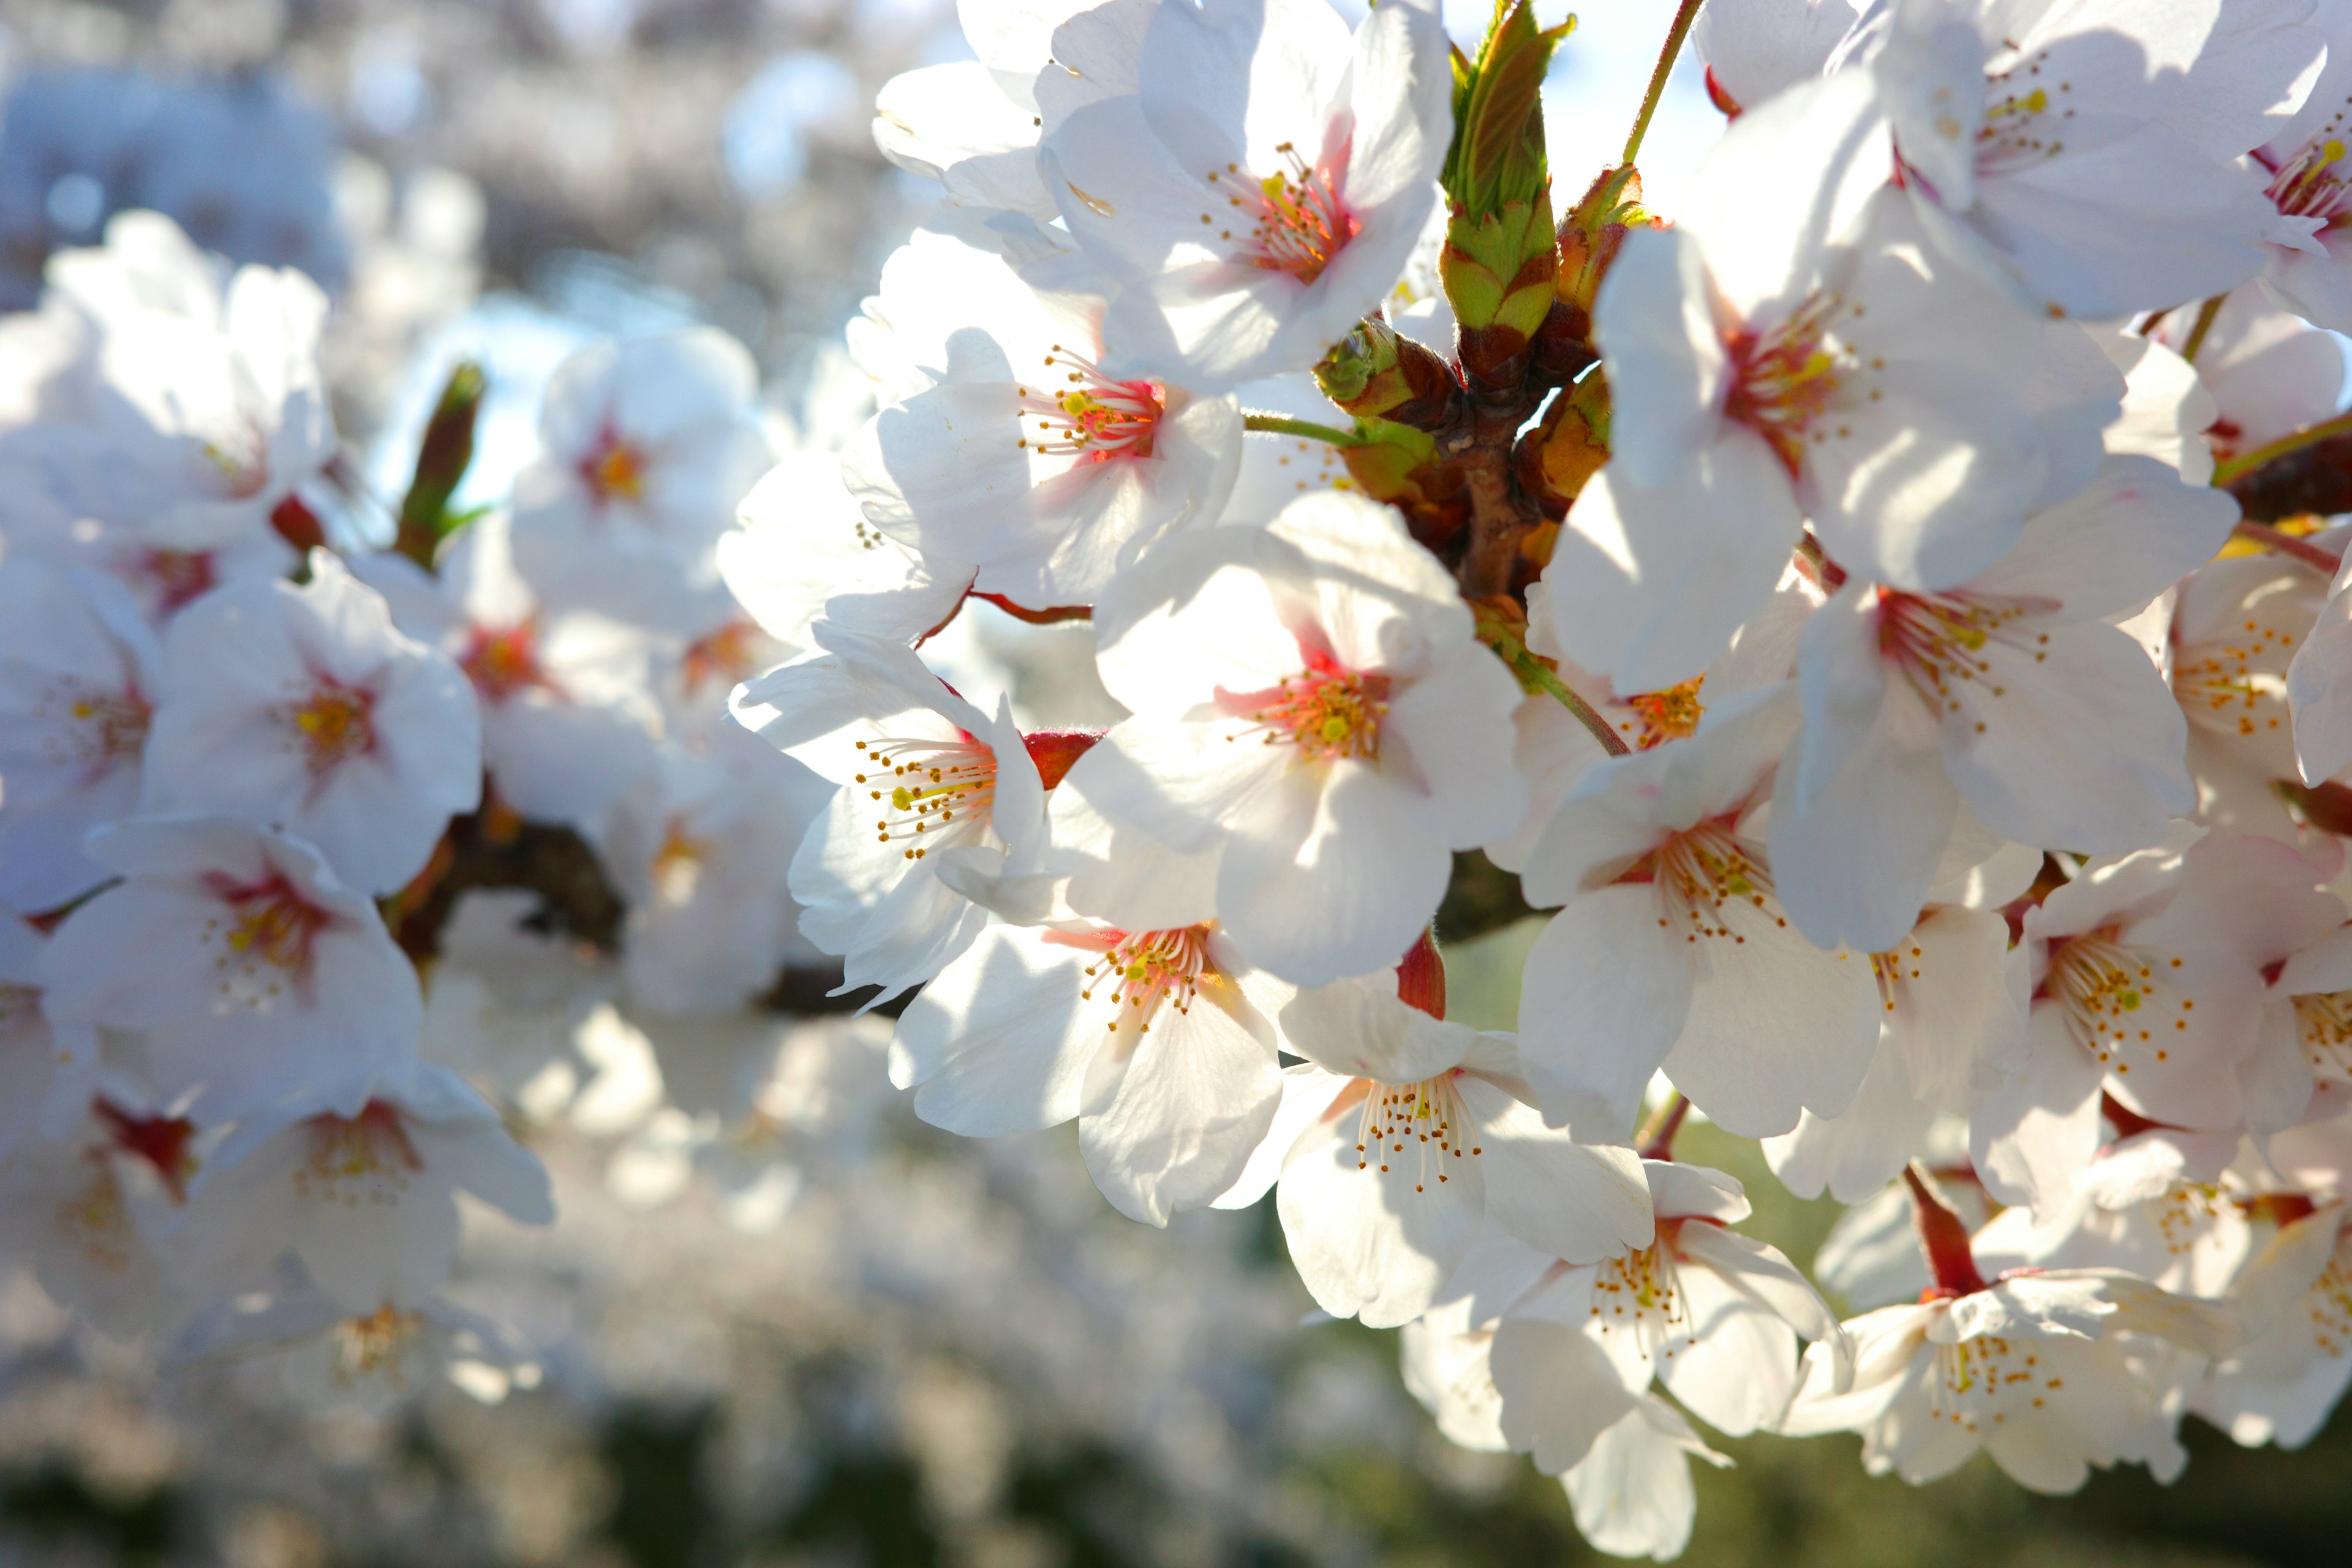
304, 708
2269, 373
700, 849
1162, 1044
803, 548
2094, 169
2008, 691
1401, 1133
1673, 950
1022, 455
567, 720
365, 1202
252, 975
648, 446
1310, 702
374, 1361
2295, 1302
2306, 177
1836, 374
1261, 189
2149, 984
204, 388
2237, 637
79, 677
2042, 1370
94, 1211
921, 776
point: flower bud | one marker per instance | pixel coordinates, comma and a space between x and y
1553, 460
1588, 240
1376, 370
442, 459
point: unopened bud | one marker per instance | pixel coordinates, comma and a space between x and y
1590, 238
1554, 460
443, 456
1376, 370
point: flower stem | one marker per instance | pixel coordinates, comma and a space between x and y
2204, 324
1684, 14
2232, 469
1536, 674
2286, 544
1656, 1139
1283, 425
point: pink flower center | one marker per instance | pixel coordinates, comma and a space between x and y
503, 660
105, 729
935, 791
334, 724
2324, 1024
725, 657
1294, 220
1091, 417
615, 468
176, 577
1149, 969
2311, 184
269, 923
677, 864
354, 1160
1783, 377
1328, 710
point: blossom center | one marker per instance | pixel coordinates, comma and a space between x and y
678, 865
2117, 999
2017, 131
1296, 219
1147, 970
356, 1160
2310, 186
1328, 710
1658, 717
1090, 418
177, 577
615, 468
940, 790
1710, 885
2324, 1022
1894, 970
374, 1345
1639, 1292
1784, 377
502, 661
1426, 1117
2236, 684
1939, 642
335, 724
105, 729
270, 924
727, 656
1975, 1378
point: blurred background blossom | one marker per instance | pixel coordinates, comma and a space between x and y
781, 1321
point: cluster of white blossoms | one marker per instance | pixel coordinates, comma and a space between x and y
1884, 607
1823, 596
258, 778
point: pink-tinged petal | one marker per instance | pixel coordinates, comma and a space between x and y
1605, 995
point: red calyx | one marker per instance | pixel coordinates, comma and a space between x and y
1420, 977
1943, 1239
1720, 98
160, 1141
1053, 750
2282, 1209
2128, 1122
297, 524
